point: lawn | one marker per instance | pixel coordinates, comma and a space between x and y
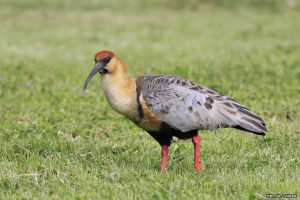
54, 144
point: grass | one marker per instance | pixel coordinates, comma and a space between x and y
56, 145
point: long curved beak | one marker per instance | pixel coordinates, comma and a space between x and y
98, 68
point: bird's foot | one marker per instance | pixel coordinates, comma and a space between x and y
199, 167
163, 171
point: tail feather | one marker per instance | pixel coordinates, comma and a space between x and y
244, 119
246, 128
249, 121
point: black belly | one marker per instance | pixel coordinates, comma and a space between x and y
165, 134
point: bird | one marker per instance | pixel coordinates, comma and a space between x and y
169, 107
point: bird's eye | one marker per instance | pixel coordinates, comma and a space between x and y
106, 60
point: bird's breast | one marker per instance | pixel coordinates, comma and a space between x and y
122, 97
122, 100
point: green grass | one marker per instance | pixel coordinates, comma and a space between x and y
55, 144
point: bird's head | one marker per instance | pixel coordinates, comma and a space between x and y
105, 63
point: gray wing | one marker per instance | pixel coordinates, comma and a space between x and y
187, 106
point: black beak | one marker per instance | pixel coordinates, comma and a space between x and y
100, 67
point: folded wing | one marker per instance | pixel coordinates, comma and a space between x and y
187, 106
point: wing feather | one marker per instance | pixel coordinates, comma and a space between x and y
187, 106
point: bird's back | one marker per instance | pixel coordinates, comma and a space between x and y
186, 106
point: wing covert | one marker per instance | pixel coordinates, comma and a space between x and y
187, 106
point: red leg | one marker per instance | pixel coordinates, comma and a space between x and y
196, 142
164, 157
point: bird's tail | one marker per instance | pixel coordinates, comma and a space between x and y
244, 119
250, 122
